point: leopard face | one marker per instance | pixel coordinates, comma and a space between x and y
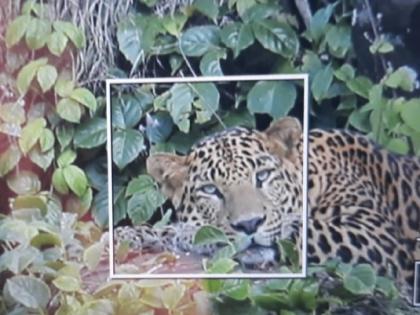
242, 181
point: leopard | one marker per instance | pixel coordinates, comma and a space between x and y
363, 201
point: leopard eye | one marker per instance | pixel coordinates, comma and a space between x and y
263, 175
209, 189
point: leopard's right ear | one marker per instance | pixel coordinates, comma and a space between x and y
170, 171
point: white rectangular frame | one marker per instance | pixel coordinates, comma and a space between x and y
416, 279
271, 77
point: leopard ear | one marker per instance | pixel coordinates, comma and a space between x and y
170, 171
284, 135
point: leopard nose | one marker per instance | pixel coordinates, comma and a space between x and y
248, 226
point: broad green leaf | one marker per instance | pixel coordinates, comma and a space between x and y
69, 110
63, 87
319, 22
42, 159
322, 82
209, 8
345, 73
64, 135
67, 283
398, 145
174, 23
197, 40
276, 37
208, 94
237, 289
46, 75
59, 181
46, 140
74, 33
56, 43
381, 45
180, 105
46, 240
18, 259
209, 235
84, 97
28, 291
172, 295
24, 182
16, 30
237, 36
129, 40
66, 158
159, 127
410, 113
141, 184
359, 119
360, 85
92, 255
27, 74
9, 159
360, 280
126, 146
141, 207
339, 40
404, 78
222, 265
242, 6
76, 179
91, 133
263, 11
31, 133
275, 98
210, 63
127, 110
37, 33
387, 287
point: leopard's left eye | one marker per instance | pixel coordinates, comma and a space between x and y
263, 175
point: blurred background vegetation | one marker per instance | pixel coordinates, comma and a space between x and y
362, 58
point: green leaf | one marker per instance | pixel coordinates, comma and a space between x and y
69, 110
27, 74
46, 140
322, 82
141, 184
59, 181
37, 33
76, 179
222, 265
127, 110
209, 235
91, 134
28, 201
67, 283
174, 23
387, 287
276, 98
159, 127
198, 40
84, 97
141, 206
237, 36
42, 159
24, 183
210, 63
410, 113
180, 105
31, 133
126, 146
237, 289
276, 37
242, 6
28, 291
339, 40
209, 8
381, 45
404, 78
46, 76
66, 158
9, 159
63, 87
345, 73
398, 145
16, 30
129, 40
45, 240
57, 43
359, 119
360, 85
208, 95
64, 135
13, 113
319, 22
92, 255
360, 280
74, 33
18, 259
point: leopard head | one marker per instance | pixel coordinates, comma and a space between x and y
242, 181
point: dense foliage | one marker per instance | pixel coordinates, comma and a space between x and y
53, 133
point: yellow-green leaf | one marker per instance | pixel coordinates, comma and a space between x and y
30, 134
76, 179
67, 283
46, 75
9, 159
27, 74
59, 182
46, 140
84, 97
56, 43
92, 255
69, 110
37, 33
24, 183
13, 113
63, 87
16, 30
74, 33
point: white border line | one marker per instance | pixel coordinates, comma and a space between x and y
416, 288
270, 77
